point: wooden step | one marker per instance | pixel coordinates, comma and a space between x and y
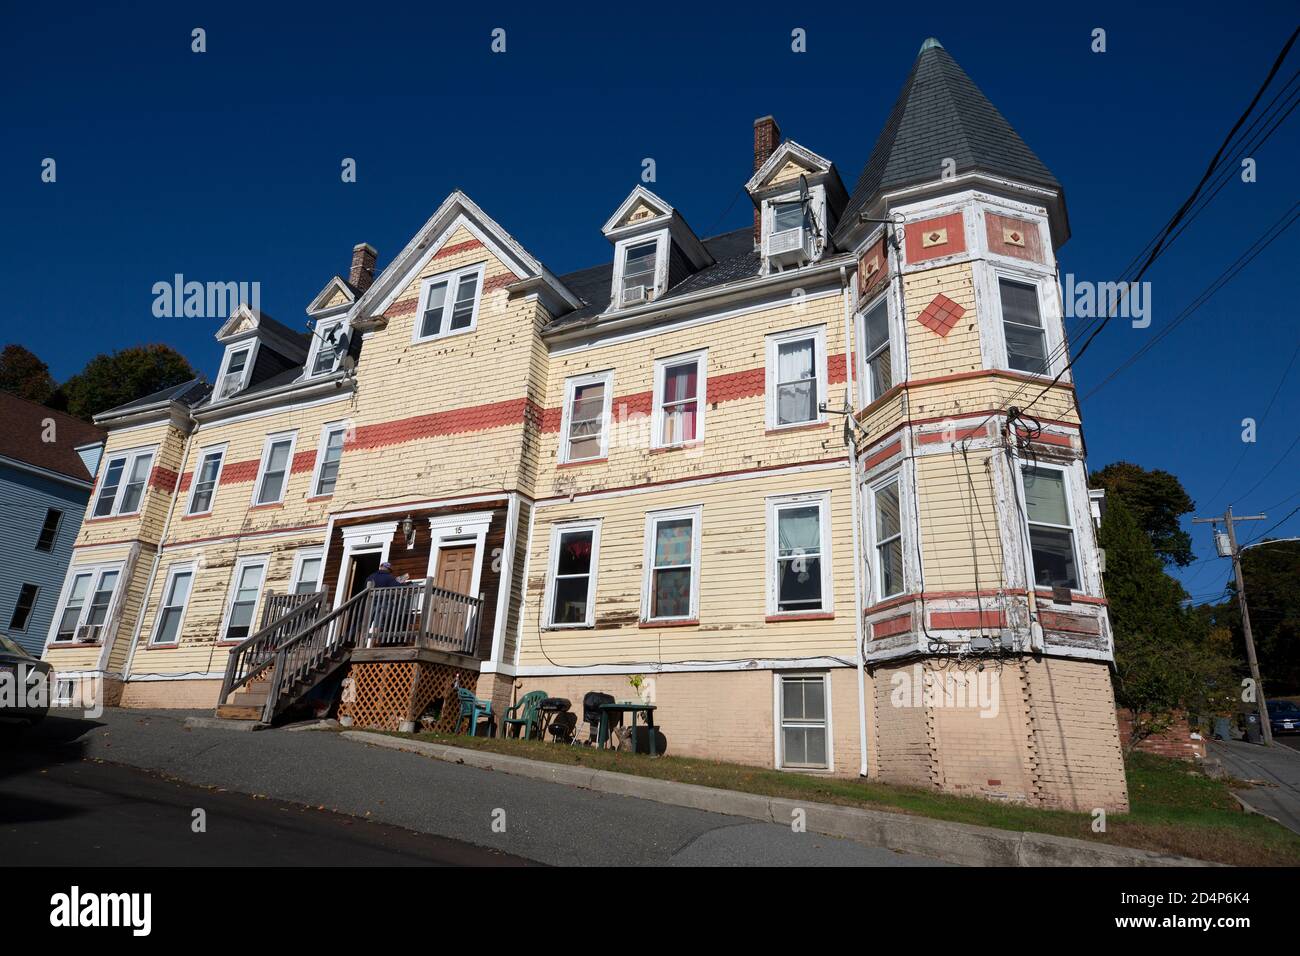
237, 712
248, 699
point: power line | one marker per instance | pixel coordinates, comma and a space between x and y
1263, 534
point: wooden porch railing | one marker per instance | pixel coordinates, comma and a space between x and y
283, 616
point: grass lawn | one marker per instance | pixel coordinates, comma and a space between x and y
1175, 808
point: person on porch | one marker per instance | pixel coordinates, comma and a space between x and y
384, 577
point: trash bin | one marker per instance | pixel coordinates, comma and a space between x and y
1253, 734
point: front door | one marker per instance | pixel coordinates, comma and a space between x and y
364, 564
456, 568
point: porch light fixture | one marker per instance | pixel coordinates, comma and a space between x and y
408, 531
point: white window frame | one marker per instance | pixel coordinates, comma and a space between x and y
186, 567
96, 573
778, 720
318, 343
652, 519
326, 430
219, 393
1077, 521
271, 440
816, 212
129, 459
302, 556
774, 342
701, 358
1048, 311
877, 567
571, 385
204, 454
453, 279
775, 505
552, 569
661, 240
252, 560
896, 374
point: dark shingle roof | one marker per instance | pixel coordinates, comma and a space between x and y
734, 259
942, 114
187, 393
23, 432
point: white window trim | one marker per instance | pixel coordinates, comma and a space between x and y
652, 519
571, 385
313, 490
1079, 517
778, 754
774, 341
896, 372
271, 440
252, 560
701, 358
817, 211
130, 455
362, 539
191, 568
453, 283
552, 568
776, 504
252, 346
198, 470
299, 559
662, 248
877, 571
96, 572
318, 342
1049, 310
459, 529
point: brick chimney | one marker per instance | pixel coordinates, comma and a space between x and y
767, 137
362, 272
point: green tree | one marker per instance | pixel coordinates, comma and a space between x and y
1272, 575
23, 374
1157, 500
1166, 661
109, 380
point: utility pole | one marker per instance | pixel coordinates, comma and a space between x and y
1235, 553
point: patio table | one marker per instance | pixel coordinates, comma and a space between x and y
633, 708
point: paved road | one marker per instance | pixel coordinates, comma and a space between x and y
543, 822
1278, 767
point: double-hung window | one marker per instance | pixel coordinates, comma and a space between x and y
23, 607
1051, 532
125, 477
273, 475
672, 565
330, 342
796, 377
800, 568
49, 529
804, 722
85, 610
306, 572
245, 590
888, 538
176, 594
575, 549
587, 405
877, 367
235, 373
679, 398
449, 303
327, 460
206, 477
1022, 326
640, 264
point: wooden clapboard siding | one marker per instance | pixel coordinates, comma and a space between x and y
960, 546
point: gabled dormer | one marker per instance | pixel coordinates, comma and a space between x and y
654, 249
258, 348
330, 339
798, 197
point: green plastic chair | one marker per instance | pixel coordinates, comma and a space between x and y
523, 715
471, 708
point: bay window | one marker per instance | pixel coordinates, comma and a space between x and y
877, 357
122, 489
86, 606
1051, 530
887, 525
1022, 326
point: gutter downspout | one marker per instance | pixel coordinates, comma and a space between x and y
857, 543
157, 558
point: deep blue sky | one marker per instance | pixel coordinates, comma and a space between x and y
225, 166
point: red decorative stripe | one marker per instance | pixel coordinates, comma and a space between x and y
735, 385
479, 418
1048, 438
164, 479
891, 626
638, 404
1071, 623
399, 309
499, 282
236, 471
959, 434
883, 455
303, 461
465, 246
186, 479
836, 369
948, 620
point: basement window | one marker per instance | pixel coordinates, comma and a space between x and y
804, 722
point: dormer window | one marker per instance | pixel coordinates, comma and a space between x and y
792, 234
328, 345
449, 304
640, 261
235, 369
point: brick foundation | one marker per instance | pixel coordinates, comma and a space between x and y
168, 694
1177, 741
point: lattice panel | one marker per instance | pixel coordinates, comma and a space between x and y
384, 694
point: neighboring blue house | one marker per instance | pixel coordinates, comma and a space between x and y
48, 462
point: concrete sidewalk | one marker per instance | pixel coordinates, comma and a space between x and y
1278, 767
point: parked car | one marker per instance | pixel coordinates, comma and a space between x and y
16, 704
1283, 717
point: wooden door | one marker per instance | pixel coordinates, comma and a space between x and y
456, 568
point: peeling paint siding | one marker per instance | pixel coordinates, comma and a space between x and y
65, 658
733, 579
788, 173
147, 525
950, 513
929, 354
